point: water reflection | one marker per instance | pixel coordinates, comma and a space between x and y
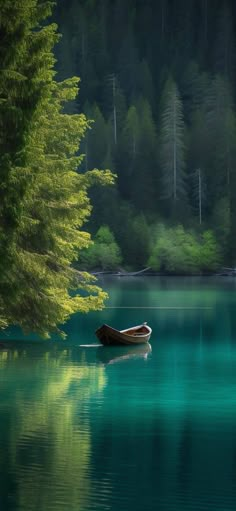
113, 354
81, 430
48, 436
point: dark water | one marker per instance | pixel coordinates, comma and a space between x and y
93, 428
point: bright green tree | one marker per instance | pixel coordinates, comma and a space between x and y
178, 251
25, 76
44, 198
104, 253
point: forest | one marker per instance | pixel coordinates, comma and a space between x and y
117, 148
157, 81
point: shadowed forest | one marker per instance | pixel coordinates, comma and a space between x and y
117, 125
157, 79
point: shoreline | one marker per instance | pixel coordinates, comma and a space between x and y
158, 274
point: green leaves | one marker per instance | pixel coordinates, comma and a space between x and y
178, 251
104, 254
44, 200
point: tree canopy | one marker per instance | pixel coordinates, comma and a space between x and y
158, 78
44, 200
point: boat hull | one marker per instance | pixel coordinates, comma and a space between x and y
133, 336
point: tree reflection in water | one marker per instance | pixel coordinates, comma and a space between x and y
49, 441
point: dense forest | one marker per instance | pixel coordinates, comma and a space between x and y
144, 89
157, 79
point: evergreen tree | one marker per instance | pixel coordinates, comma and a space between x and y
194, 85
137, 44
197, 159
132, 132
172, 144
129, 152
145, 84
44, 199
199, 193
145, 175
220, 125
25, 73
114, 106
96, 139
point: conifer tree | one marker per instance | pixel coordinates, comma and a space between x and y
199, 193
172, 144
25, 74
145, 176
44, 198
197, 161
96, 138
132, 132
145, 83
220, 123
129, 152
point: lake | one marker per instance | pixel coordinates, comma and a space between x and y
86, 428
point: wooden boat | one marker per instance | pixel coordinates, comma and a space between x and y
136, 335
116, 354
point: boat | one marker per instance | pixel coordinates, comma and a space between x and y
131, 336
115, 354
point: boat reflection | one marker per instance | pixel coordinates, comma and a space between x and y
113, 354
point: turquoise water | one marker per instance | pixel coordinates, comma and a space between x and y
86, 428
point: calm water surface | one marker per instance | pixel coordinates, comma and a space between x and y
86, 428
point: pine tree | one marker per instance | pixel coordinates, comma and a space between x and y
25, 74
44, 198
220, 123
96, 139
132, 132
129, 152
197, 160
145, 85
145, 174
172, 144
194, 85
199, 193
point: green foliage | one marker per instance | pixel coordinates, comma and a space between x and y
131, 133
221, 222
220, 124
152, 132
104, 254
183, 252
44, 198
157, 130
96, 141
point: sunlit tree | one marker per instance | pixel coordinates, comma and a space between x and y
44, 200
